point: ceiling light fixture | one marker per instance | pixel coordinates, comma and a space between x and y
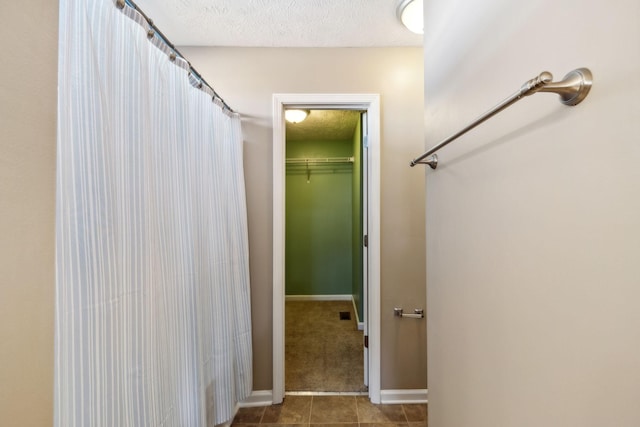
410, 14
295, 116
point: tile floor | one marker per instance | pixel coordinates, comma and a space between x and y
339, 411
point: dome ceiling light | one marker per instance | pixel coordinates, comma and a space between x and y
295, 116
410, 14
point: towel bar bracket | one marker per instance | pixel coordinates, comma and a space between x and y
431, 161
573, 88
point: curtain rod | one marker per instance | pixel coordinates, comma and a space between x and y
156, 31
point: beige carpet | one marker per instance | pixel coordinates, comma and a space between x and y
322, 352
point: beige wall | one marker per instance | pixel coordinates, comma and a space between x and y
28, 81
247, 78
533, 218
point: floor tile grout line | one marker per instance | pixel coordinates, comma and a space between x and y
262, 416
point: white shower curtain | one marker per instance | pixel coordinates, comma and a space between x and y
152, 290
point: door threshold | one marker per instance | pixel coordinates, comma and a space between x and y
326, 393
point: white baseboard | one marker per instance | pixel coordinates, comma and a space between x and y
403, 396
265, 397
318, 297
257, 398
355, 310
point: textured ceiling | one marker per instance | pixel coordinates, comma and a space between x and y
280, 23
324, 125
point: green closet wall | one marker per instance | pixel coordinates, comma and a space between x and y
319, 235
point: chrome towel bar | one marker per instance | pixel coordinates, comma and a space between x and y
418, 313
572, 90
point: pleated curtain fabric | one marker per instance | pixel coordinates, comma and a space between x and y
152, 285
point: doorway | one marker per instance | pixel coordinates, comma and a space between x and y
324, 250
369, 105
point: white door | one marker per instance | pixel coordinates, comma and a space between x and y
365, 244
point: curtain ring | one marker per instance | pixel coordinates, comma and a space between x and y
120, 4
172, 57
150, 34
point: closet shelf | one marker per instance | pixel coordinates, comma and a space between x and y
321, 160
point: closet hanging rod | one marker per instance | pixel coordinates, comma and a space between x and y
303, 161
120, 4
572, 90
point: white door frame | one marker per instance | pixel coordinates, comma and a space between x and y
363, 102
